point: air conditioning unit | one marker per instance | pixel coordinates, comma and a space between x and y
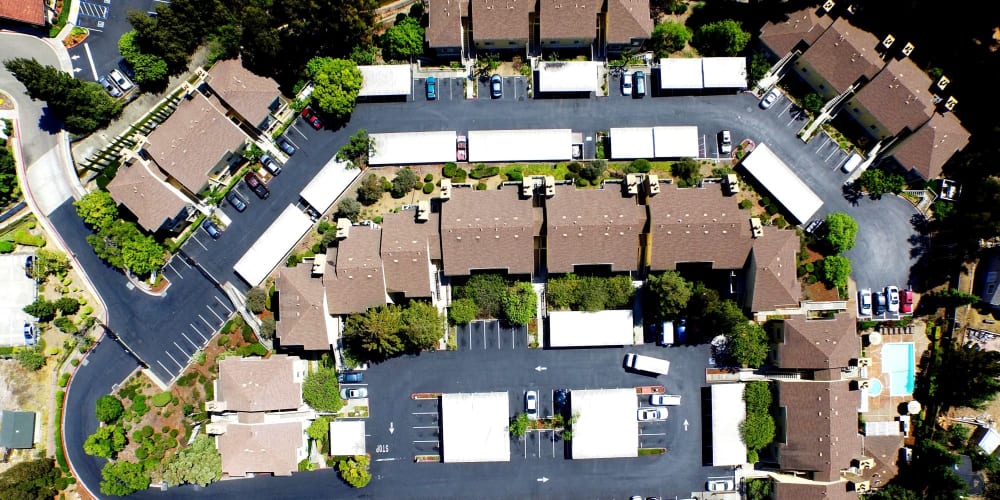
343, 228
908, 49
864, 384
756, 228
866, 463
943, 82
423, 210
828, 6
445, 189
653, 183
888, 41
864, 362
632, 184
950, 103
861, 486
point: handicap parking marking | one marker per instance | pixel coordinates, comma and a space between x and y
93, 10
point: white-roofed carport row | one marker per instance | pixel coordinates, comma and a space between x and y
581, 328
521, 145
607, 426
629, 143
568, 76
680, 74
329, 184
782, 183
728, 412
386, 80
675, 142
16, 291
703, 73
474, 427
410, 148
347, 437
272, 245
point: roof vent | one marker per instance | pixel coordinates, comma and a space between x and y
950, 103
632, 183
888, 41
828, 6
908, 49
527, 184
943, 82
550, 186
861, 486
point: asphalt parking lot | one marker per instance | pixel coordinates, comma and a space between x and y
491, 335
107, 21
515, 88
448, 89
16, 291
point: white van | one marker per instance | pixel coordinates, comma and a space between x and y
667, 333
664, 400
852, 163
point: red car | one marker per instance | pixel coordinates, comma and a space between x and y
906, 301
311, 117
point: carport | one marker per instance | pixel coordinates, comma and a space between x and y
676, 142
16, 291
386, 80
724, 72
598, 328
607, 426
554, 144
474, 427
728, 412
681, 74
408, 148
270, 248
782, 183
328, 184
629, 143
568, 76
347, 437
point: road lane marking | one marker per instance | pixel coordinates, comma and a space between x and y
652, 433
216, 315
189, 340
90, 58
432, 441
175, 361
223, 304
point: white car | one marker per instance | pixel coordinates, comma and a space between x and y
720, 485
865, 302
892, 298
769, 99
627, 84
356, 393
121, 80
725, 142
648, 414
664, 400
531, 405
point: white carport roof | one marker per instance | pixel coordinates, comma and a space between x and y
582, 328
629, 143
329, 184
607, 426
728, 412
675, 142
568, 76
990, 441
386, 80
410, 148
16, 291
782, 183
520, 145
475, 427
347, 437
681, 73
272, 245
724, 72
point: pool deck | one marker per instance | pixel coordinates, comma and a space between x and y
885, 407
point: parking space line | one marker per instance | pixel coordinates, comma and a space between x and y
181, 349
293, 127
189, 340
470, 336
170, 265
197, 330
185, 263
175, 360
223, 304
787, 107
164, 367
423, 413
194, 237
206, 321
484, 335
425, 427
216, 315
90, 59
652, 433
498, 334
829, 155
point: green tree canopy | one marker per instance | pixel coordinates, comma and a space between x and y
668, 293
357, 150
349, 208
123, 245
404, 182
487, 291
589, 293
669, 37
836, 271
97, 209
318, 429
841, 232
148, 68
9, 189
123, 478
748, 345
520, 304
758, 67
355, 471
49, 262
404, 40
256, 300
423, 325
757, 395
42, 309
83, 106
721, 38
107, 441
336, 83
876, 182
462, 311
757, 430
970, 378
321, 391
31, 480
370, 190
199, 464
375, 334
67, 305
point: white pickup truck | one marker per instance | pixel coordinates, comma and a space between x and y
647, 364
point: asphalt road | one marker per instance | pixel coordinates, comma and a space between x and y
107, 21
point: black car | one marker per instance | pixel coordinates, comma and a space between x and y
211, 229
560, 398
237, 202
257, 185
496, 87
286, 146
350, 377
29, 263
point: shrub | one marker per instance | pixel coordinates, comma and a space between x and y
746, 204
21, 236
6, 247
64, 324
42, 309
428, 187
63, 380
638, 166
256, 299
108, 409
30, 359
514, 174
324, 226
460, 176
581, 182
161, 399
267, 326
404, 182
429, 178
449, 169
481, 186
321, 391
462, 311
223, 340
481, 171
574, 167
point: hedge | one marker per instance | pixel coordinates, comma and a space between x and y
481, 171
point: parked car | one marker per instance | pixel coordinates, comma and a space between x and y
720, 485
463, 148
238, 203
769, 99
664, 400
814, 225
648, 414
431, 84
29, 263
354, 393
113, 90
259, 188
560, 399
29, 333
496, 87
906, 301
286, 146
120, 80
270, 164
725, 142
627, 84
892, 298
878, 299
350, 377
531, 405
311, 117
639, 82
851, 163
211, 229
681, 330
865, 302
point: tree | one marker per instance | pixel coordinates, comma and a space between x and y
969, 377
49, 262
336, 83
256, 300
83, 106
423, 325
105, 442
375, 334
355, 471
199, 464
42, 309
147, 68
32, 480
108, 409
669, 37
758, 68
404, 182
487, 291
462, 311
757, 395
841, 231
67, 305
748, 344
520, 304
348, 208
591, 170
949, 298
519, 425
357, 150
9, 189
688, 171
31, 358
721, 38
370, 190
123, 478
122, 245
267, 327
404, 40
757, 430
668, 294
877, 182
321, 391
318, 429
836, 270
97, 209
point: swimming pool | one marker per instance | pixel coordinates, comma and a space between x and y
897, 361
875, 387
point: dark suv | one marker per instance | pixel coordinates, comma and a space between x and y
257, 185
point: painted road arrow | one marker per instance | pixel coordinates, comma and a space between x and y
685, 425
392, 428
540, 368
542, 479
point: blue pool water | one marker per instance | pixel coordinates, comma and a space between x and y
875, 388
897, 361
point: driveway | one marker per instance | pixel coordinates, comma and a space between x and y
107, 21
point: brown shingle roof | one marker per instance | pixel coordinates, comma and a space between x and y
246, 93
774, 281
26, 11
843, 54
813, 491
302, 320
593, 226
697, 225
261, 448
501, 19
804, 25
569, 19
354, 280
628, 19
930, 147
444, 27
143, 191
899, 96
886, 452
491, 229
193, 140
819, 343
821, 427
408, 247
259, 384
